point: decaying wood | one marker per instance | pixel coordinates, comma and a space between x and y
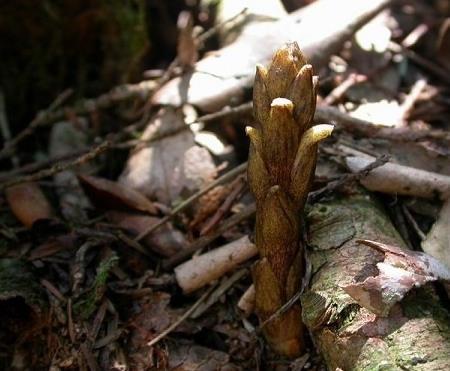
246, 302
221, 78
399, 179
437, 242
202, 270
415, 335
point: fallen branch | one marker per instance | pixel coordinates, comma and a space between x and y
58, 167
202, 242
202, 270
399, 179
414, 334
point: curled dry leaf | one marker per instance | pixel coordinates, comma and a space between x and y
400, 272
108, 195
28, 203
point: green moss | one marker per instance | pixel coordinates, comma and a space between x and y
87, 303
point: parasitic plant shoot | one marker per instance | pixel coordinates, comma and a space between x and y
282, 161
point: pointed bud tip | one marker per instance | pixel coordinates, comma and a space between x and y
282, 103
261, 71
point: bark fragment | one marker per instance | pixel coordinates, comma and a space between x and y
415, 334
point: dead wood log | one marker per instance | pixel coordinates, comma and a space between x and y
220, 78
414, 335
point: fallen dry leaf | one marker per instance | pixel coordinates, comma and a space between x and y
53, 246
28, 203
165, 240
401, 271
153, 318
171, 167
198, 358
110, 195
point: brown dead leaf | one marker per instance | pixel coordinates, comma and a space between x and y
171, 167
153, 318
165, 240
208, 205
401, 271
110, 195
28, 203
198, 358
53, 246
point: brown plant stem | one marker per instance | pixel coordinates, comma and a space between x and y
281, 165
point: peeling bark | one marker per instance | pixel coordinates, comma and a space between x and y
415, 335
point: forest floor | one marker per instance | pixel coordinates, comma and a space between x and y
126, 222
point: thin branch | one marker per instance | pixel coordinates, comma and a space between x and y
224, 178
40, 120
174, 325
58, 167
204, 241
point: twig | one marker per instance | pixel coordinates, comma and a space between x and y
98, 321
369, 129
399, 179
345, 122
412, 38
203, 269
184, 254
216, 28
413, 223
58, 167
245, 108
70, 326
40, 119
134, 244
35, 166
333, 186
89, 357
53, 290
337, 93
217, 293
224, 178
421, 61
411, 99
174, 325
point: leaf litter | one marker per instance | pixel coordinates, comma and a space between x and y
91, 295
